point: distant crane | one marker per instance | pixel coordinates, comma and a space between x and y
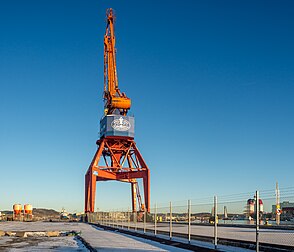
121, 159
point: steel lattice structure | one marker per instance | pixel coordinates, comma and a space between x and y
117, 157
122, 161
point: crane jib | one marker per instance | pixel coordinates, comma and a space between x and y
116, 101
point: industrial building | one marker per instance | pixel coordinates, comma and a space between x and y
287, 209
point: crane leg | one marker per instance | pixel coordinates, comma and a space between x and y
134, 196
92, 192
87, 193
146, 182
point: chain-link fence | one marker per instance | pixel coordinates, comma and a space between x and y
252, 220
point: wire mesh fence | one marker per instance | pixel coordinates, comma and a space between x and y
252, 220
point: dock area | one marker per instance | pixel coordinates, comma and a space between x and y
70, 236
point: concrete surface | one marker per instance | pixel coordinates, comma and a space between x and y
98, 239
270, 236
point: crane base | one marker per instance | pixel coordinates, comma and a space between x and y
121, 161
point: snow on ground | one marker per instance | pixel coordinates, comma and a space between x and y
99, 239
35, 244
37, 241
124, 242
201, 244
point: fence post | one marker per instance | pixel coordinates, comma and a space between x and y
144, 228
109, 218
257, 220
129, 219
170, 221
215, 222
155, 220
278, 207
122, 219
189, 221
125, 219
135, 220
106, 218
116, 219
113, 218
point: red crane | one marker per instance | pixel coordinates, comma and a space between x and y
117, 157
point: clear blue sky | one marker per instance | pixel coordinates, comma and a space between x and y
211, 84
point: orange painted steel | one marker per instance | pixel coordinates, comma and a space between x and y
114, 98
117, 157
123, 162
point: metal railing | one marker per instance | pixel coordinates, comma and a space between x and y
244, 220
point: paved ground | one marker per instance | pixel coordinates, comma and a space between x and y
99, 239
270, 236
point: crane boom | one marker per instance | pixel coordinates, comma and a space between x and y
116, 102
